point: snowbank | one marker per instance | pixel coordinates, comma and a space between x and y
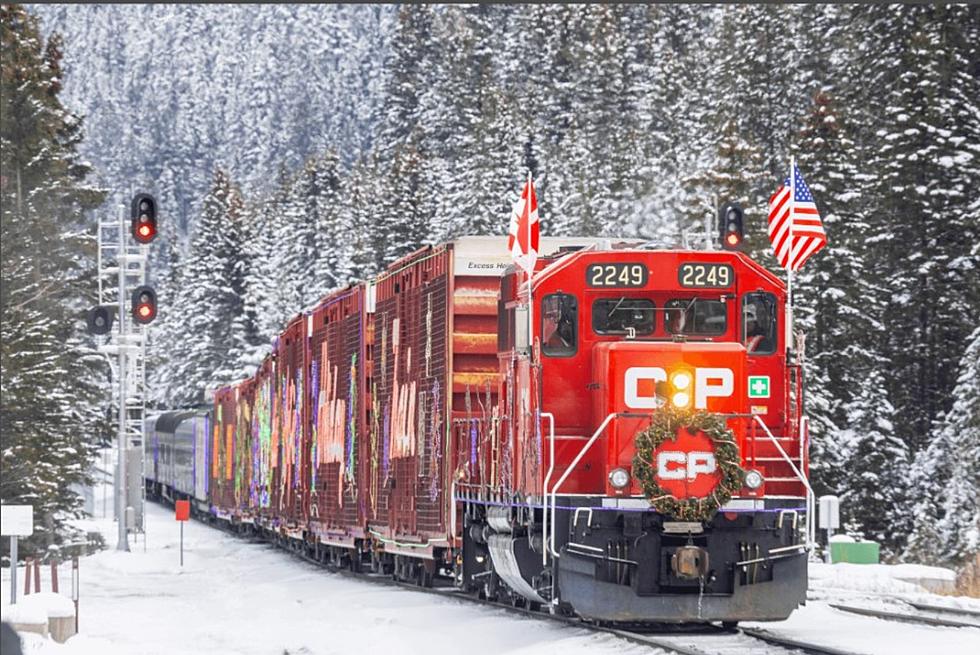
881, 578
24, 613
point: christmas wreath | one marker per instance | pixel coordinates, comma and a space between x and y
664, 426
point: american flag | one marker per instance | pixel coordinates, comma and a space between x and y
525, 231
801, 212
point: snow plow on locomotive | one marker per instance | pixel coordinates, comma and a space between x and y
627, 446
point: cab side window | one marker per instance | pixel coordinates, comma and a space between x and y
559, 325
759, 323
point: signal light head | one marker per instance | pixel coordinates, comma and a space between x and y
732, 223
143, 217
144, 305
99, 319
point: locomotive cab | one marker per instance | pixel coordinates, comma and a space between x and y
659, 443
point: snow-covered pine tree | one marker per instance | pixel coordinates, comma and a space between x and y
670, 65
959, 529
838, 305
51, 418
921, 75
947, 476
877, 466
212, 329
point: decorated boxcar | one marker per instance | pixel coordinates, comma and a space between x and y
623, 438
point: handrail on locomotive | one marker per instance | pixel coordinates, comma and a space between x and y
551, 506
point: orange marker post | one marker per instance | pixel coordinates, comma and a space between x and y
182, 511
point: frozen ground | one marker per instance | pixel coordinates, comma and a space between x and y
236, 597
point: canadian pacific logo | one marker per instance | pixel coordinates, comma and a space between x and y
708, 383
676, 465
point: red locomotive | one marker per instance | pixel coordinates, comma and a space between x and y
628, 446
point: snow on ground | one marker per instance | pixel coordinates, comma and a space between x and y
239, 598
232, 596
818, 623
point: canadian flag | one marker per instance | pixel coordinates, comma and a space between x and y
525, 232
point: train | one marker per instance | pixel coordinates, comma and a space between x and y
622, 437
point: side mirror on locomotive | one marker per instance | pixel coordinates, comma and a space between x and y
731, 222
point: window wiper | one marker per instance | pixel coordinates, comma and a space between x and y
615, 307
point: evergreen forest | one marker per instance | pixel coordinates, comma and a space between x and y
293, 149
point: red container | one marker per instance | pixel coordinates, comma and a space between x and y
339, 409
222, 464
243, 440
290, 428
264, 456
433, 384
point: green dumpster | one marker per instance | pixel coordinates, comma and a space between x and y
859, 552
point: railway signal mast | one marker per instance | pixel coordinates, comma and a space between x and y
127, 262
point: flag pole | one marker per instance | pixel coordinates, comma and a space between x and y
530, 302
789, 263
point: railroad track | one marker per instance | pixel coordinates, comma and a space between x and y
706, 640
918, 617
709, 640
945, 609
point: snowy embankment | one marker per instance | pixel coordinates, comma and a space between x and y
237, 597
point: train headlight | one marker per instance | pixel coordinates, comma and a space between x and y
681, 399
619, 478
680, 380
753, 479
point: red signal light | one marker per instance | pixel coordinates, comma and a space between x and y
144, 307
143, 216
731, 221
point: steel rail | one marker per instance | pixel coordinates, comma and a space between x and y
904, 618
943, 609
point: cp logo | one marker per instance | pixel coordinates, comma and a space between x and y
708, 383
677, 465
686, 466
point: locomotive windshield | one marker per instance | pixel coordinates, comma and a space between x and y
623, 315
696, 316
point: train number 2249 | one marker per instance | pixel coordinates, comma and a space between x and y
705, 275
616, 275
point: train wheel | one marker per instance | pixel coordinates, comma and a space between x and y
729, 625
427, 573
354, 557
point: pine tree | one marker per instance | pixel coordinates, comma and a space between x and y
947, 526
877, 462
838, 305
923, 78
212, 328
50, 415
